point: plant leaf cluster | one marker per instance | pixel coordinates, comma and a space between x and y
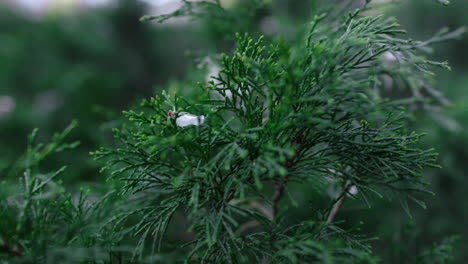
275, 114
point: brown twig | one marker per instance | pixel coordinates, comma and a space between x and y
337, 206
228, 199
335, 209
230, 196
264, 210
247, 226
279, 191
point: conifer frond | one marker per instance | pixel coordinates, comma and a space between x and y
284, 113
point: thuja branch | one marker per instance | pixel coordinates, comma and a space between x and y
275, 114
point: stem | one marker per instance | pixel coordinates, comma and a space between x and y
335, 209
228, 199
247, 226
279, 191
337, 206
254, 223
266, 211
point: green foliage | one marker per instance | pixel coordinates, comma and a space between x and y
275, 115
439, 253
447, 213
210, 178
79, 75
221, 21
35, 205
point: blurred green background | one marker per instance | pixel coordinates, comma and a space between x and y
447, 212
89, 60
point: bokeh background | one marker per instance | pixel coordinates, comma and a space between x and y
88, 60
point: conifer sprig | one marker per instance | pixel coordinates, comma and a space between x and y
276, 114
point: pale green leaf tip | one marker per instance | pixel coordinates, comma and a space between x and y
145, 18
444, 2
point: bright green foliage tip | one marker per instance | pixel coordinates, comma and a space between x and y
444, 2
